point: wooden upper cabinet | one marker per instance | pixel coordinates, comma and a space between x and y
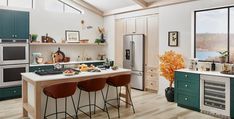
152, 42
140, 27
14, 24
130, 26
120, 30
136, 25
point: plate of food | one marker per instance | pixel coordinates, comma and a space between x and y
69, 72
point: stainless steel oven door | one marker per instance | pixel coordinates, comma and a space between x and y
14, 53
10, 75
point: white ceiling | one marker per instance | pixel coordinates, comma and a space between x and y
106, 5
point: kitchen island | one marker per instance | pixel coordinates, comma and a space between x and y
33, 84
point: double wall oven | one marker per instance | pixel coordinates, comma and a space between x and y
14, 60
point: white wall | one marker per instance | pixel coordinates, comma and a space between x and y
43, 21
177, 17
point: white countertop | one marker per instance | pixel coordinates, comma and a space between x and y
37, 78
213, 73
67, 63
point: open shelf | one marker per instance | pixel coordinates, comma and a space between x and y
67, 44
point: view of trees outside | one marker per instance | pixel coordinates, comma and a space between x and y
232, 34
211, 34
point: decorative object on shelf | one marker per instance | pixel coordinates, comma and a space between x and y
213, 67
84, 41
47, 39
40, 60
173, 38
102, 31
98, 41
82, 24
58, 56
34, 37
107, 63
67, 59
101, 56
34, 56
223, 56
169, 62
193, 64
72, 36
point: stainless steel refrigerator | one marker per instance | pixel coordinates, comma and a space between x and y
133, 46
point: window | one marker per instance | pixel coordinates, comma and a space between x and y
232, 34
213, 33
62, 6
17, 3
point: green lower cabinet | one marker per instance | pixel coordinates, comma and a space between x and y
232, 97
10, 92
187, 90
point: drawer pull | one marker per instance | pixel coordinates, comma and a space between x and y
186, 76
186, 86
186, 99
14, 91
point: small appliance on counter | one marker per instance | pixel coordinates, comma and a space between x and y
193, 62
47, 39
36, 58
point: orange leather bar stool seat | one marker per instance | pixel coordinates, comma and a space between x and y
118, 82
57, 91
93, 85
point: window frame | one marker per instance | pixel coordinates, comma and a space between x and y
32, 5
228, 29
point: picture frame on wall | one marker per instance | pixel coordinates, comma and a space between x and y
173, 38
72, 36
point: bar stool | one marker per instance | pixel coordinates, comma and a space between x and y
93, 85
119, 81
58, 91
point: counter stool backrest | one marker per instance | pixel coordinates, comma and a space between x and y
120, 80
92, 85
60, 90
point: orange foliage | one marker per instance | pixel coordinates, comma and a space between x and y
169, 62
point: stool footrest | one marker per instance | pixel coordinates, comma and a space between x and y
60, 113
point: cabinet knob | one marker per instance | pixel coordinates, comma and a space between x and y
15, 36
186, 76
186, 99
14, 91
186, 86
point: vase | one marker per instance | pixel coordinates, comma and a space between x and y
169, 93
222, 59
102, 38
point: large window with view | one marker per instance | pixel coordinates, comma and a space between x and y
17, 3
214, 34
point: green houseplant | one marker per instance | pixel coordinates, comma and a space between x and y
34, 37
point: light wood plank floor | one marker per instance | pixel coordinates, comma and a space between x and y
148, 106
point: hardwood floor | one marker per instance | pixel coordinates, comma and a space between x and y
148, 106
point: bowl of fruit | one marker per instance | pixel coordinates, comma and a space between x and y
69, 72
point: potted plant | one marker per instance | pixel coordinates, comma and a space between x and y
223, 56
169, 62
102, 31
34, 37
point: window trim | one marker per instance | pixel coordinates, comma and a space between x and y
228, 29
66, 4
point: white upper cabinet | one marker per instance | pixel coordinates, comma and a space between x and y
136, 25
